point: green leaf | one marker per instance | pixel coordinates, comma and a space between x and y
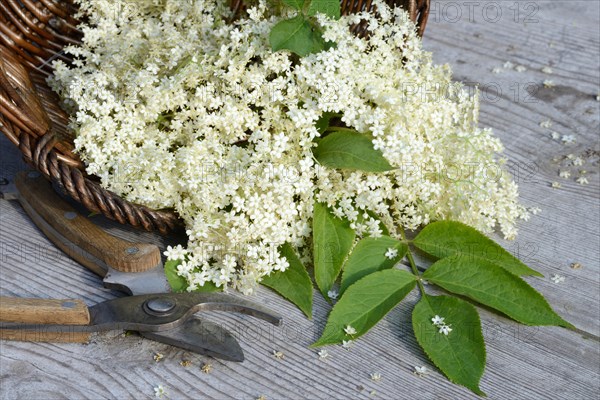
297, 35
208, 287
323, 122
365, 303
294, 283
178, 283
495, 287
331, 8
461, 242
297, 4
332, 240
349, 149
460, 355
368, 256
328, 45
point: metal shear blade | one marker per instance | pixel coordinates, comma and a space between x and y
202, 337
167, 318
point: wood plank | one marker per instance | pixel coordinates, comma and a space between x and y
523, 362
570, 218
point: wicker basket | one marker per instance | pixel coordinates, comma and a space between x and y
32, 34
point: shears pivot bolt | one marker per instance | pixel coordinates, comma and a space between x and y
159, 306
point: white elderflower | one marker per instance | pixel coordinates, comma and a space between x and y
179, 109
391, 253
556, 185
347, 344
555, 135
563, 173
557, 278
439, 323
568, 139
333, 294
159, 391
577, 161
175, 253
497, 70
520, 68
445, 329
350, 330
323, 354
534, 210
375, 376
421, 371
548, 83
582, 180
546, 123
508, 65
547, 70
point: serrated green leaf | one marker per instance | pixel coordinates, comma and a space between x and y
332, 240
294, 283
331, 8
368, 256
495, 287
460, 355
461, 242
365, 303
296, 35
297, 4
178, 283
350, 150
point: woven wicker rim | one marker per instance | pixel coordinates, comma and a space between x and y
32, 34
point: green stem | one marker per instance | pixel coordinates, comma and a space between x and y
412, 263
304, 10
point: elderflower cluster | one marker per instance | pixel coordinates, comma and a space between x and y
439, 323
176, 107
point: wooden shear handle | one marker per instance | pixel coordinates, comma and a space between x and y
44, 312
74, 234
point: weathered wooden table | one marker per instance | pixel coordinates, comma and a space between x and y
476, 39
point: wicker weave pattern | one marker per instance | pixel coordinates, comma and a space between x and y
32, 34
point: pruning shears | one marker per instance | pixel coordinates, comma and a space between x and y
133, 268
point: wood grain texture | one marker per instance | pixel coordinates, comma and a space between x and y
39, 335
522, 363
76, 235
42, 311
